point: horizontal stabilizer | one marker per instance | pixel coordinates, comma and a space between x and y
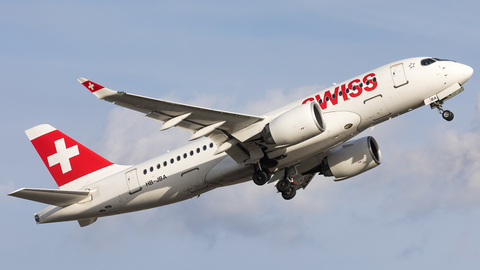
58, 197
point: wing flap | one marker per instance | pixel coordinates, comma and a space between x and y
58, 197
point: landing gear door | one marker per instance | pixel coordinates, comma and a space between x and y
132, 181
398, 75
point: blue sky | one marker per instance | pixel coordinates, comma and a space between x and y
419, 210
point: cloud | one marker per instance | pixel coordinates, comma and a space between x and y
130, 138
421, 177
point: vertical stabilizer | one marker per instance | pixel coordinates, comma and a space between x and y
69, 162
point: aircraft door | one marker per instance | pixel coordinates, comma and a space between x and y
132, 181
398, 75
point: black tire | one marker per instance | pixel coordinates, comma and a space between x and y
260, 178
447, 115
283, 185
290, 193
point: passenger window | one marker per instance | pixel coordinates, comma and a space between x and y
151, 169
211, 145
172, 160
145, 171
198, 150
185, 155
158, 166
178, 158
165, 164
191, 153
204, 147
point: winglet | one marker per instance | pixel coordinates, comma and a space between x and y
98, 90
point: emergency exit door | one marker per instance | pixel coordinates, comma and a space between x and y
132, 181
398, 75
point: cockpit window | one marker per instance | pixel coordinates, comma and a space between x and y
438, 59
428, 61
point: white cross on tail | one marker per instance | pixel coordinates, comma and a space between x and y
63, 155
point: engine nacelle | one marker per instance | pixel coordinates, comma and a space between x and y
352, 158
296, 125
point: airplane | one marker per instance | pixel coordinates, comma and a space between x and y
287, 146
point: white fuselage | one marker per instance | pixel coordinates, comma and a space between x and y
187, 172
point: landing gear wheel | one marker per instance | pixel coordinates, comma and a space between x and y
290, 193
260, 178
283, 185
447, 115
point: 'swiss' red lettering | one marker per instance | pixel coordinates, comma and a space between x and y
370, 81
333, 98
356, 87
353, 89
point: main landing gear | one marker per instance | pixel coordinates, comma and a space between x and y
286, 186
260, 177
262, 174
446, 114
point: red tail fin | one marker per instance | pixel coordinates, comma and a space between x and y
66, 159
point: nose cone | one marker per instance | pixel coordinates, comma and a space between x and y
465, 73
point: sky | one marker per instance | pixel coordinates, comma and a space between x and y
420, 209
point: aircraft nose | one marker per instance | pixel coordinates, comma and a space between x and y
465, 73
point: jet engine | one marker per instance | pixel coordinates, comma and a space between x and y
352, 158
295, 126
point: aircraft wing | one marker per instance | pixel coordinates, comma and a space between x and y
226, 129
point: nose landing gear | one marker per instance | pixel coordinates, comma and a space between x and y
446, 114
